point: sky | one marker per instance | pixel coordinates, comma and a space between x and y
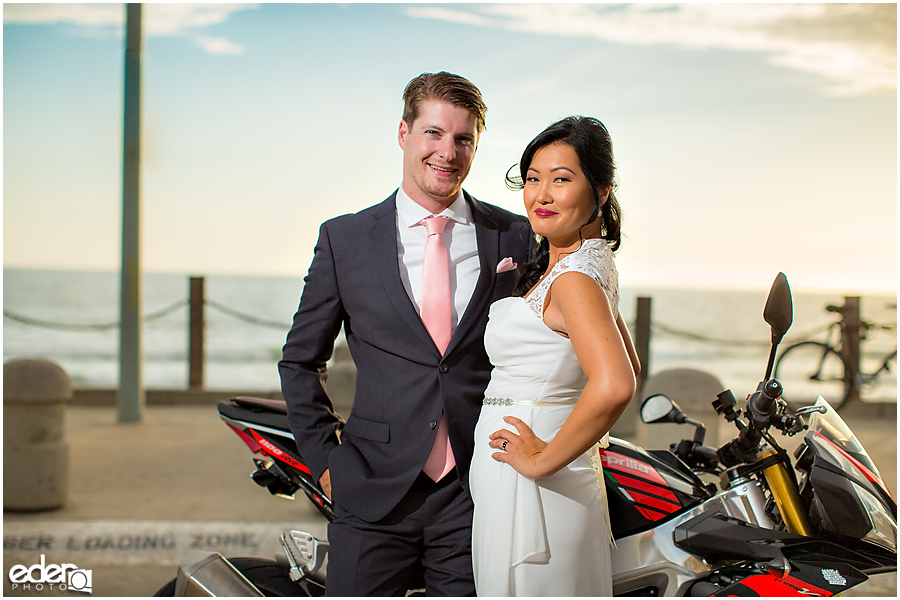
749, 138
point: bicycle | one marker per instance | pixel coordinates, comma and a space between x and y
826, 368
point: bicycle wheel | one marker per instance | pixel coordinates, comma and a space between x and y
811, 369
881, 385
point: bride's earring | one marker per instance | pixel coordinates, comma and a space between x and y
538, 238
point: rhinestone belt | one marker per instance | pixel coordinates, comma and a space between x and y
511, 402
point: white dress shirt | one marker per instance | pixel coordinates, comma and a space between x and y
462, 247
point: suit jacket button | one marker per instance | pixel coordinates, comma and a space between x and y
433, 424
443, 368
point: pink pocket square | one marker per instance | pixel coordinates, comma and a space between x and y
506, 264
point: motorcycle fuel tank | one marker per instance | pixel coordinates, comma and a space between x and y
644, 488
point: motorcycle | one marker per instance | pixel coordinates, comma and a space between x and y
770, 526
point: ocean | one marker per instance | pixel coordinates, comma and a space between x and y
718, 331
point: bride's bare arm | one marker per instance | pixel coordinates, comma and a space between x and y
584, 310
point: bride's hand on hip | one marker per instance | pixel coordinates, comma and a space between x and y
520, 451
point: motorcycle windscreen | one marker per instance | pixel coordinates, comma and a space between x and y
831, 426
850, 499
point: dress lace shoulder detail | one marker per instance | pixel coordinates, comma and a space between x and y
595, 259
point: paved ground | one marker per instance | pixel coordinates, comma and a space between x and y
141, 496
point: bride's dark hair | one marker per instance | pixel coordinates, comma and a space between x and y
593, 146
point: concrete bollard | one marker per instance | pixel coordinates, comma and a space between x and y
694, 391
35, 453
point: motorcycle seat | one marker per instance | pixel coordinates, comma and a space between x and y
266, 404
254, 414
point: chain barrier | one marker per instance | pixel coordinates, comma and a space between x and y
807, 335
147, 318
655, 325
245, 317
89, 326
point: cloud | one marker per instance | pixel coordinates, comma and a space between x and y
854, 46
85, 15
174, 19
180, 20
218, 45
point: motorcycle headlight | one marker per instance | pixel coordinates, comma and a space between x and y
884, 527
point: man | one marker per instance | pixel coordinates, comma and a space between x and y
411, 280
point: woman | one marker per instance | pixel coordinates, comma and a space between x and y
564, 370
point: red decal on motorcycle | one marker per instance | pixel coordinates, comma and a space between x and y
767, 586
251, 443
644, 486
620, 462
805, 588
865, 471
771, 586
650, 514
644, 513
275, 452
653, 502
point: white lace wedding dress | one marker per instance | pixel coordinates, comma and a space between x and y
549, 537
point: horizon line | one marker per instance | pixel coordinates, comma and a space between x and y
630, 286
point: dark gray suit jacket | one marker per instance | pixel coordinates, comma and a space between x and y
402, 383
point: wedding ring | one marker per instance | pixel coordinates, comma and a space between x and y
505, 442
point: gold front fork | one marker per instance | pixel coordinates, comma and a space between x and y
786, 496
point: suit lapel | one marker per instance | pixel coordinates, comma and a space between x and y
384, 236
488, 239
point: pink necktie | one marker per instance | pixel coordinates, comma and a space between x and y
436, 317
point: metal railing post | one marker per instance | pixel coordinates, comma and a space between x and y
626, 426
196, 334
850, 339
642, 337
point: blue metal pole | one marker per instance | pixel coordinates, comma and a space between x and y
131, 396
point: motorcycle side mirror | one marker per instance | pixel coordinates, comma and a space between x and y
779, 311
661, 409
779, 314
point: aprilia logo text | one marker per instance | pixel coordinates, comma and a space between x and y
617, 460
52, 577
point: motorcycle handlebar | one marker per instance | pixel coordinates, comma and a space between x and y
769, 393
694, 454
761, 409
707, 453
741, 449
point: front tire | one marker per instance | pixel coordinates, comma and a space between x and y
811, 369
166, 591
267, 575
